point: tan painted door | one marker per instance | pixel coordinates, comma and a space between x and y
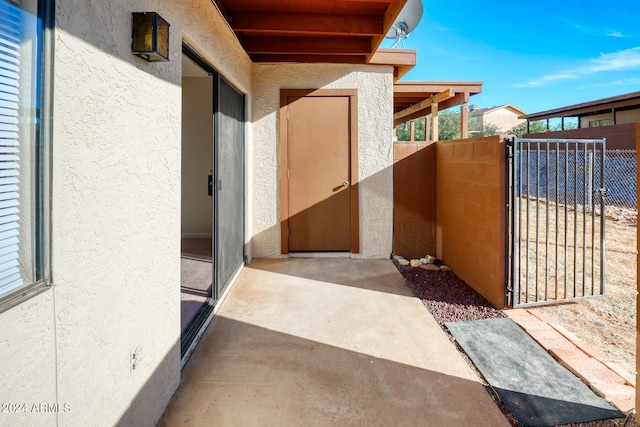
319, 188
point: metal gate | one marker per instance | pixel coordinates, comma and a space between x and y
555, 220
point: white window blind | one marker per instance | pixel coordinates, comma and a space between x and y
10, 36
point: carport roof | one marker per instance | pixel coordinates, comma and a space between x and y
415, 99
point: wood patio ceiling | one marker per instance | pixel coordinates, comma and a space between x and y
334, 31
416, 99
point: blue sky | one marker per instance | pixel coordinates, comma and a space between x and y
533, 55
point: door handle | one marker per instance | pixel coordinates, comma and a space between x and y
345, 184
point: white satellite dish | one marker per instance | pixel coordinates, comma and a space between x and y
406, 22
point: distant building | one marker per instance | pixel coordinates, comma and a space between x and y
616, 118
616, 110
504, 117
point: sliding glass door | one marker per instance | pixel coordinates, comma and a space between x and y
212, 191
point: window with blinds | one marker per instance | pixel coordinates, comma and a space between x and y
23, 154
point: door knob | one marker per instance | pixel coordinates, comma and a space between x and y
345, 184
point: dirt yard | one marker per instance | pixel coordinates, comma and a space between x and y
609, 324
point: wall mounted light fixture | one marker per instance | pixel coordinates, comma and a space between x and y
150, 37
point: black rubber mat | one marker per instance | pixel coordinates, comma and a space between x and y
536, 388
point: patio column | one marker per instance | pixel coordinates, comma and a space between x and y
464, 120
427, 129
434, 123
412, 131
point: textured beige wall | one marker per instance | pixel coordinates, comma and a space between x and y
629, 116
197, 156
116, 220
375, 149
470, 212
28, 369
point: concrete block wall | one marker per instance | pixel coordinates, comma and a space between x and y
470, 212
414, 199
619, 137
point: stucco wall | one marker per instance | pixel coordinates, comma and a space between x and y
470, 212
629, 116
622, 117
116, 220
375, 150
503, 119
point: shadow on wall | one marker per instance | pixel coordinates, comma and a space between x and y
314, 220
314, 76
461, 216
414, 199
154, 395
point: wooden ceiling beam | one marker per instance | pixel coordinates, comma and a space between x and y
369, 1
416, 115
304, 23
307, 45
306, 59
435, 99
423, 105
392, 12
458, 99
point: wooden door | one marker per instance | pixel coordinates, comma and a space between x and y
319, 184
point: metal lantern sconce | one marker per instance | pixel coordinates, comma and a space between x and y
150, 37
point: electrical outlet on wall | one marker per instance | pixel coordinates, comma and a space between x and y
135, 358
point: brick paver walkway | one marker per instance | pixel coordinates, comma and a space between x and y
603, 376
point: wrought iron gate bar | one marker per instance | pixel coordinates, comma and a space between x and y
548, 178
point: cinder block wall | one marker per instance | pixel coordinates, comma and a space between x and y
414, 199
470, 208
619, 137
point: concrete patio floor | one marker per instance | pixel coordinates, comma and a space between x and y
319, 342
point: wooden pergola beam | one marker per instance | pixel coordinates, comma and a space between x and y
458, 99
248, 22
403, 87
422, 106
307, 45
308, 59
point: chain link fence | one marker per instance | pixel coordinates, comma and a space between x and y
567, 177
621, 178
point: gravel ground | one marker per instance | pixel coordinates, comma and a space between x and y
449, 299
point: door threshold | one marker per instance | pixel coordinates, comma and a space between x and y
319, 254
